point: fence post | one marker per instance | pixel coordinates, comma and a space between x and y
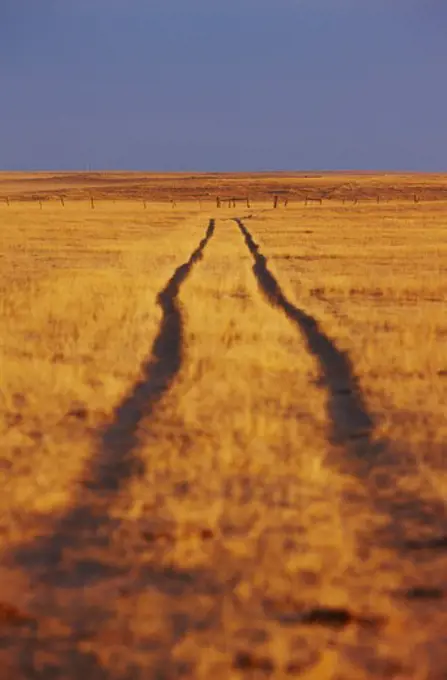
217, 201
62, 201
7, 201
92, 203
275, 201
248, 203
144, 205
40, 204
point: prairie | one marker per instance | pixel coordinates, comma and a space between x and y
223, 433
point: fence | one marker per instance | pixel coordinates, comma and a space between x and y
223, 202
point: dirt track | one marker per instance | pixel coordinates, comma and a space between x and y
111, 598
415, 523
88, 524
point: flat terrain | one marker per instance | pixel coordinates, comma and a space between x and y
223, 436
328, 186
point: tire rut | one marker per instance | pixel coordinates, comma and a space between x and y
413, 523
347, 410
117, 461
79, 551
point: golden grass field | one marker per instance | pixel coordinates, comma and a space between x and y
222, 439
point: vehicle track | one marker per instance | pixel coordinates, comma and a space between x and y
414, 524
349, 417
399, 529
117, 462
83, 552
80, 551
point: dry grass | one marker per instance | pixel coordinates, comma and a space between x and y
257, 493
295, 186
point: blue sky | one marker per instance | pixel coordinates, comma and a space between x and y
223, 85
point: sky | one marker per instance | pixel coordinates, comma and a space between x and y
223, 85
